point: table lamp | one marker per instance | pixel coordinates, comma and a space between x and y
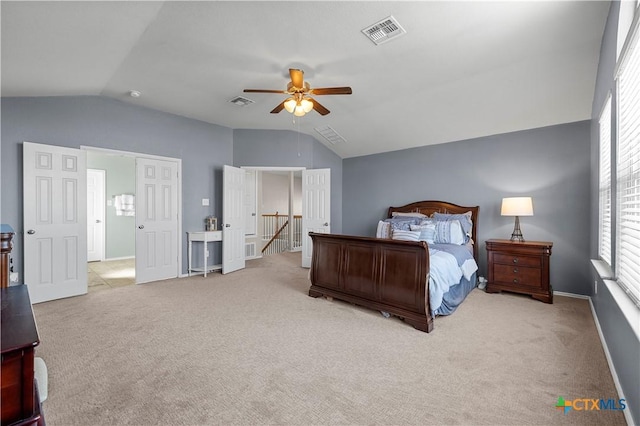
517, 206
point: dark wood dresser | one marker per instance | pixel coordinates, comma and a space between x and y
520, 268
6, 244
19, 393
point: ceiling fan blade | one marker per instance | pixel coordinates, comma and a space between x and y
263, 91
331, 91
297, 77
279, 108
318, 107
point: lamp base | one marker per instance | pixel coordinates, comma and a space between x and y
517, 232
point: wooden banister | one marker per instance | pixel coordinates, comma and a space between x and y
275, 236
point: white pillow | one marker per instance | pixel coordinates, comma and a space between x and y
449, 232
399, 234
427, 232
384, 230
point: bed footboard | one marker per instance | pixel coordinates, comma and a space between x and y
381, 274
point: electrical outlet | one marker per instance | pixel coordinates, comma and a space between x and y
13, 277
595, 286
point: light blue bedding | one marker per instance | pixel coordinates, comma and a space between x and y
449, 266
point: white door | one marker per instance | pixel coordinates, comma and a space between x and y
233, 211
55, 221
156, 214
250, 203
316, 208
95, 214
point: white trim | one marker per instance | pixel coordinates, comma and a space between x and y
118, 258
627, 413
573, 295
274, 169
602, 269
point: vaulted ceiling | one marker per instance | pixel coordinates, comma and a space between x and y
462, 70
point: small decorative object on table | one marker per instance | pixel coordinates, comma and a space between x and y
520, 267
210, 223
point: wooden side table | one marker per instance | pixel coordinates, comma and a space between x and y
520, 267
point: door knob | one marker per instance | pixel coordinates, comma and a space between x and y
98, 221
141, 227
326, 224
31, 231
227, 225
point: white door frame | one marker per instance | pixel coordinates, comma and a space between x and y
291, 170
102, 201
154, 157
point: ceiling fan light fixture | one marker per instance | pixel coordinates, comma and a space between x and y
299, 111
290, 105
307, 105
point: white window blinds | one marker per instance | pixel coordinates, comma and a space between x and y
604, 245
628, 167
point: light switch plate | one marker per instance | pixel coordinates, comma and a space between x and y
205, 201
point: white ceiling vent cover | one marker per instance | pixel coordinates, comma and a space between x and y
241, 101
329, 134
383, 31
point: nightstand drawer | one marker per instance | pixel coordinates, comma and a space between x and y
512, 259
517, 275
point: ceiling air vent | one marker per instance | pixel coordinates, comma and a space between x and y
383, 31
329, 134
241, 101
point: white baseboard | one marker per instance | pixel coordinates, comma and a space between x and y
575, 296
119, 258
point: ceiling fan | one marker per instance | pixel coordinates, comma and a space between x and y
300, 102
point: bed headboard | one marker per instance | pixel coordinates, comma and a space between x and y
431, 206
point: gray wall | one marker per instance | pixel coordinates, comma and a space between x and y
120, 178
550, 164
285, 148
622, 341
107, 123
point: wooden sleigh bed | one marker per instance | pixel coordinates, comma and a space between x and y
383, 274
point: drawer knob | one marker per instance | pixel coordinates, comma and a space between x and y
515, 260
515, 270
515, 281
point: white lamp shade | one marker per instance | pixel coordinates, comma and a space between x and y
307, 105
299, 111
517, 206
290, 105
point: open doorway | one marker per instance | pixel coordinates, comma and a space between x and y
111, 187
280, 211
274, 210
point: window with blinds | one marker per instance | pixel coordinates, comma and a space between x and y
628, 170
604, 244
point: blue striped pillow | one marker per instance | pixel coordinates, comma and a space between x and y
399, 234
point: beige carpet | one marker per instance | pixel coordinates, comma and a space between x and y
110, 274
252, 348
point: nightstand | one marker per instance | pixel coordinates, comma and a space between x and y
520, 268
